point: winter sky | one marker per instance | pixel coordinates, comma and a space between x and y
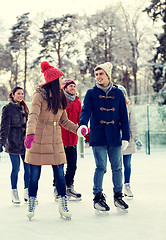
10, 9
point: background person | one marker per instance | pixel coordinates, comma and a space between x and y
70, 139
12, 136
134, 139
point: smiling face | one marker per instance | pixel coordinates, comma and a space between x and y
18, 96
102, 78
71, 89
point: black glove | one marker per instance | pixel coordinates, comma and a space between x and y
1, 147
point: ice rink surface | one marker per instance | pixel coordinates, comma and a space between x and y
145, 220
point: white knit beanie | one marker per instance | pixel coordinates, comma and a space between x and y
107, 67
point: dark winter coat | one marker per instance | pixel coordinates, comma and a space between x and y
73, 111
108, 117
13, 128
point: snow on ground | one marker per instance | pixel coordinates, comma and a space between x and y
145, 220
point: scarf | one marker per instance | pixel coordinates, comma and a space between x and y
70, 97
105, 89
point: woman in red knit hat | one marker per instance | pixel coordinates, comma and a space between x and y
43, 136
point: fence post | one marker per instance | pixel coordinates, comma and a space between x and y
148, 132
81, 139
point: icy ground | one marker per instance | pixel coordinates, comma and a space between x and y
145, 220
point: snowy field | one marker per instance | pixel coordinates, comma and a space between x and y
145, 220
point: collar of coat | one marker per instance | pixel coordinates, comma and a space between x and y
42, 91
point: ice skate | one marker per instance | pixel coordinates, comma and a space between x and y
72, 194
119, 203
100, 203
55, 194
15, 197
63, 210
31, 207
127, 191
26, 194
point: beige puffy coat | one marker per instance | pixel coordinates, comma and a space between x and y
134, 136
48, 148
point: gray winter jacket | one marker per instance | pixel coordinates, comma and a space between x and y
134, 136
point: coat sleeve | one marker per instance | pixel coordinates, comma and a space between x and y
86, 110
133, 124
79, 113
34, 113
5, 124
67, 124
124, 119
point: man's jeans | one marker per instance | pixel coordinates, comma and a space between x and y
115, 158
127, 167
15, 160
35, 172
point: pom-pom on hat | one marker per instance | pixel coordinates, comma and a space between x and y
107, 67
50, 73
67, 82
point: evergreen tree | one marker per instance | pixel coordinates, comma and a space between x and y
157, 10
58, 41
18, 42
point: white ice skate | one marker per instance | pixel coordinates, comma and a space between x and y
72, 194
63, 210
31, 207
55, 194
26, 194
15, 197
127, 191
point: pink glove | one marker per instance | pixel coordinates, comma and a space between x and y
28, 140
82, 131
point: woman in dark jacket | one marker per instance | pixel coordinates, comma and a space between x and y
12, 135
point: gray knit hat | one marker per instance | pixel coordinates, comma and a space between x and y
107, 67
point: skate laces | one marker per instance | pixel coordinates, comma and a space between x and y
31, 204
64, 203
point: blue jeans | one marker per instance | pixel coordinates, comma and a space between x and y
35, 172
15, 160
115, 158
127, 167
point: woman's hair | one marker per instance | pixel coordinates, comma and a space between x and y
127, 100
23, 103
56, 98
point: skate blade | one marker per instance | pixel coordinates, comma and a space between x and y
16, 203
64, 217
121, 210
71, 198
101, 213
128, 197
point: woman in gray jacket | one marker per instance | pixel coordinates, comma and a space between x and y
134, 139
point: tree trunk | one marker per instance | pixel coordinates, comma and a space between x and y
25, 72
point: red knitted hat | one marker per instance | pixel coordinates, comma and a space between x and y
50, 73
67, 82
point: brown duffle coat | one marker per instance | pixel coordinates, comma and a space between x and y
48, 148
